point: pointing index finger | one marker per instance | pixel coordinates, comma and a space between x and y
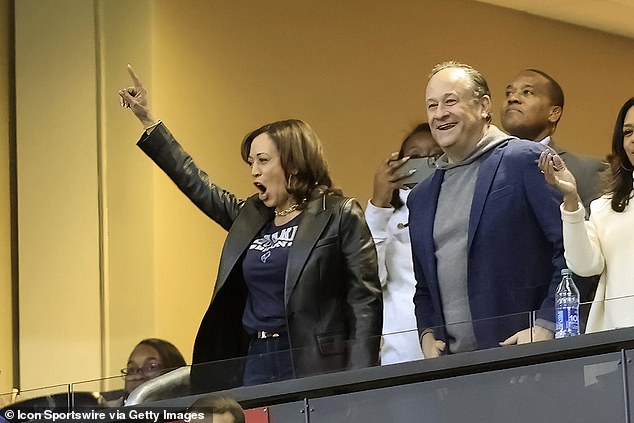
135, 78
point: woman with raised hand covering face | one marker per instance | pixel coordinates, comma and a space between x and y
387, 215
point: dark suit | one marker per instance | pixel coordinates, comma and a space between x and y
515, 250
332, 293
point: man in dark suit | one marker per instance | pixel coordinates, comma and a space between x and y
532, 109
485, 229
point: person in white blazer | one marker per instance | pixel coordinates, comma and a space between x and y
387, 215
604, 243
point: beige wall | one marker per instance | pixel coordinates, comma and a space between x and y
84, 208
130, 311
6, 315
118, 253
357, 70
58, 231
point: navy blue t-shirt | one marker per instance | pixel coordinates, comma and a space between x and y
264, 270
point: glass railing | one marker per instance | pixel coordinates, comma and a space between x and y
29, 404
108, 392
7, 398
331, 356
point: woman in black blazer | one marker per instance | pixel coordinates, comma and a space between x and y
297, 291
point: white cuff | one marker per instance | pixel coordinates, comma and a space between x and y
377, 219
576, 216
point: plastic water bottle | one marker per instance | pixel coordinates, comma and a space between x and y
567, 306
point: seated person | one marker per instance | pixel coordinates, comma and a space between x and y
150, 358
218, 409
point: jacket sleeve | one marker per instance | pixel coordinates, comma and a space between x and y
364, 297
544, 202
424, 309
581, 243
422, 300
378, 218
167, 153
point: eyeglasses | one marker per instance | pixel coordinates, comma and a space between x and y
150, 369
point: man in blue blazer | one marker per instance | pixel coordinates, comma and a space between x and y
485, 229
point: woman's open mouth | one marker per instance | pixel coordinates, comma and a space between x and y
262, 188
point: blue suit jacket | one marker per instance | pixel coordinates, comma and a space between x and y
515, 249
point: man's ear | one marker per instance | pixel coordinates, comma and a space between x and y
485, 101
555, 114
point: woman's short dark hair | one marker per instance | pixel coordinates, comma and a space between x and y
619, 174
301, 156
170, 357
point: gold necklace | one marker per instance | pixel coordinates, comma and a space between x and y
286, 211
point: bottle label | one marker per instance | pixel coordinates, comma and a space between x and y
567, 322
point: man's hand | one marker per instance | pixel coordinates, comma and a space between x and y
135, 98
524, 336
431, 347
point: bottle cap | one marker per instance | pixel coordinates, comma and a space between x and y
565, 271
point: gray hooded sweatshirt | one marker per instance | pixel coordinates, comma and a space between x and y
451, 226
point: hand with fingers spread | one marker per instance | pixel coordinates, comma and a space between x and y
135, 98
558, 175
387, 179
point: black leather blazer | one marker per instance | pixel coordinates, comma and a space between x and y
334, 306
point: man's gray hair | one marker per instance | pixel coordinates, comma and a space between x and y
478, 83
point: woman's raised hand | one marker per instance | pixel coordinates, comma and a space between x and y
135, 98
387, 179
558, 175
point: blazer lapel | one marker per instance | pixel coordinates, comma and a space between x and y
486, 173
428, 218
313, 223
253, 216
